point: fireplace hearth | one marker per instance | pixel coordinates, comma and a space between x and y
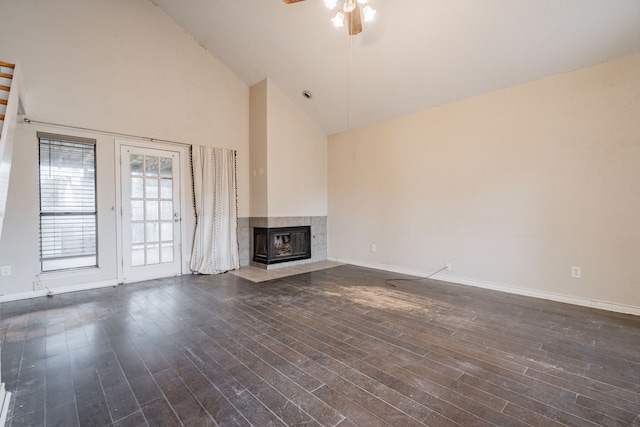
283, 244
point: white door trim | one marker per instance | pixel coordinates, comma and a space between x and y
185, 180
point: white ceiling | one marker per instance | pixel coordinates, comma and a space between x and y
416, 54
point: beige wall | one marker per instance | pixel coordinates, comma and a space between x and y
116, 65
288, 157
512, 187
258, 150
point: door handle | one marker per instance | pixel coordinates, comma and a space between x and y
176, 217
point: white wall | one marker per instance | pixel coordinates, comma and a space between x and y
19, 246
288, 157
297, 159
512, 187
116, 65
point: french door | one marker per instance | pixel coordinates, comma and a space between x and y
151, 213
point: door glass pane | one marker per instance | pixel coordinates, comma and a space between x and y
153, 253
166, 191
135, 162
153, 234
166, 231
152, 166
166, 167
137, 232
137, 255
152, 188
137, 210
151, 213
166, 210
136, 188
167, 252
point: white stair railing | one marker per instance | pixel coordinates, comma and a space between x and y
11, 92
11, 107
6, 78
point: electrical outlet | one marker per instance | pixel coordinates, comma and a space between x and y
5, 270
576, 272
447, 266
373, 247
37, 285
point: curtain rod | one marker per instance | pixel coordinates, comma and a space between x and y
105, 132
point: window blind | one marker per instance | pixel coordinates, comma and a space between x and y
68, 216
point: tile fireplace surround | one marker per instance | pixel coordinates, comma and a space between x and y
318, 226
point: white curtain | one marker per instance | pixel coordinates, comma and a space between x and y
215, 245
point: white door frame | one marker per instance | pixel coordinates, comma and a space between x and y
185, 166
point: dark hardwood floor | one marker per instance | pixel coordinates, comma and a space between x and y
335, 347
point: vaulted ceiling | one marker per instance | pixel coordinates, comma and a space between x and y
416, 54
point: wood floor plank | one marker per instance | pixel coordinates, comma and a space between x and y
585, 387
336, 347
158, 413
356, 414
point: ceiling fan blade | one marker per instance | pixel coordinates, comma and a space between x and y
354, 19
291, 1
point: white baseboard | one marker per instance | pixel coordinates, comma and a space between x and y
57, 290
446, 277
5, 398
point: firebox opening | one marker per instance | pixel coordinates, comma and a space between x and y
273, 245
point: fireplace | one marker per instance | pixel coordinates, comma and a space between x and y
273, 245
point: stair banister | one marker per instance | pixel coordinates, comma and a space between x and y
14, 109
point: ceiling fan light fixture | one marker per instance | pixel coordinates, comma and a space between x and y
330, 3
349, 6
354, 12
368, 13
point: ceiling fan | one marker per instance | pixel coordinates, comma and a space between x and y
351, 10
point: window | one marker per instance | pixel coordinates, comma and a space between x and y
68, 217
